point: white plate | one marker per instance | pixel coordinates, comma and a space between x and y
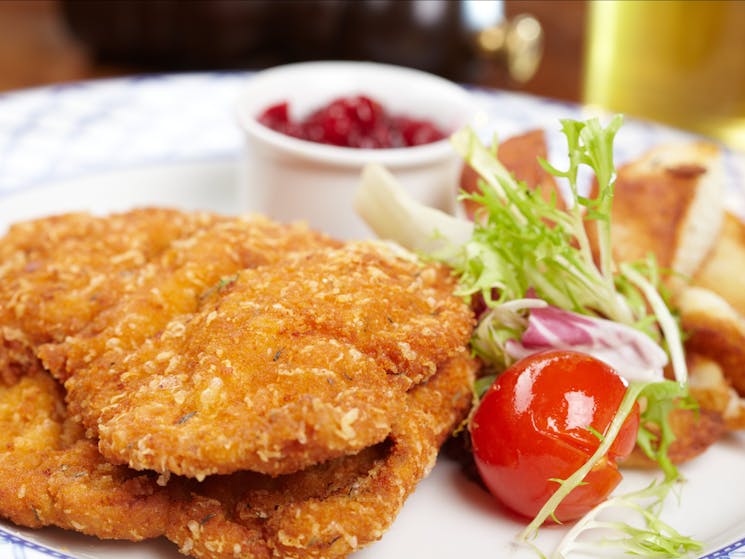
448, 516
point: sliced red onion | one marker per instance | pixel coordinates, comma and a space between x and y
633, 354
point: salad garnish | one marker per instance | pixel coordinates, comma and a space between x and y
651, 537
545, 283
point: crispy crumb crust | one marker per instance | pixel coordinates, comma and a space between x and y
176, 282
286, 365
58, 273
166, 324
332, 509
50, 474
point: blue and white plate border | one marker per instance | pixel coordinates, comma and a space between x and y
17, 547
734, 550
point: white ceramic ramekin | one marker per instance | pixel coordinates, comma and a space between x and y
290, 179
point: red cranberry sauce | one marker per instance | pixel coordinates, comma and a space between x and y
355, 122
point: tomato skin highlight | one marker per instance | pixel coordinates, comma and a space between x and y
535, 424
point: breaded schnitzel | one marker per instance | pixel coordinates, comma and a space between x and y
51, 475
58, 273
287, 365
222, 345
174, 283
335, 508
106, 299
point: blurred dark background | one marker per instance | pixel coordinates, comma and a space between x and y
491, 43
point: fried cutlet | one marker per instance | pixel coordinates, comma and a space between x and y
332, 509
57, 273
176, 282
50, 474
285, 365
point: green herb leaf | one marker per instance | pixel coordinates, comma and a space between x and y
650, 536
521, 241
660, 399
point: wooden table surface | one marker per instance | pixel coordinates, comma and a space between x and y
37, 47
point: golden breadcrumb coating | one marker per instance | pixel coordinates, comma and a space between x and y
330, 510
51, 475
197, 344
176, 282
283, 366
58, 273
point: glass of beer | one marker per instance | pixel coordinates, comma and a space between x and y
681, 62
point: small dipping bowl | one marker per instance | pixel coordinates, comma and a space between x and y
289, 179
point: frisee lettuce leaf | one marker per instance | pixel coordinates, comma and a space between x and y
655, 434
649, 536
527, 242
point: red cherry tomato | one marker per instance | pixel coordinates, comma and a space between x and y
536, 424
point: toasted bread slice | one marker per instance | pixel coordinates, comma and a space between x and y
722, 270
714, 330
669, 203
519, 154
711, 390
